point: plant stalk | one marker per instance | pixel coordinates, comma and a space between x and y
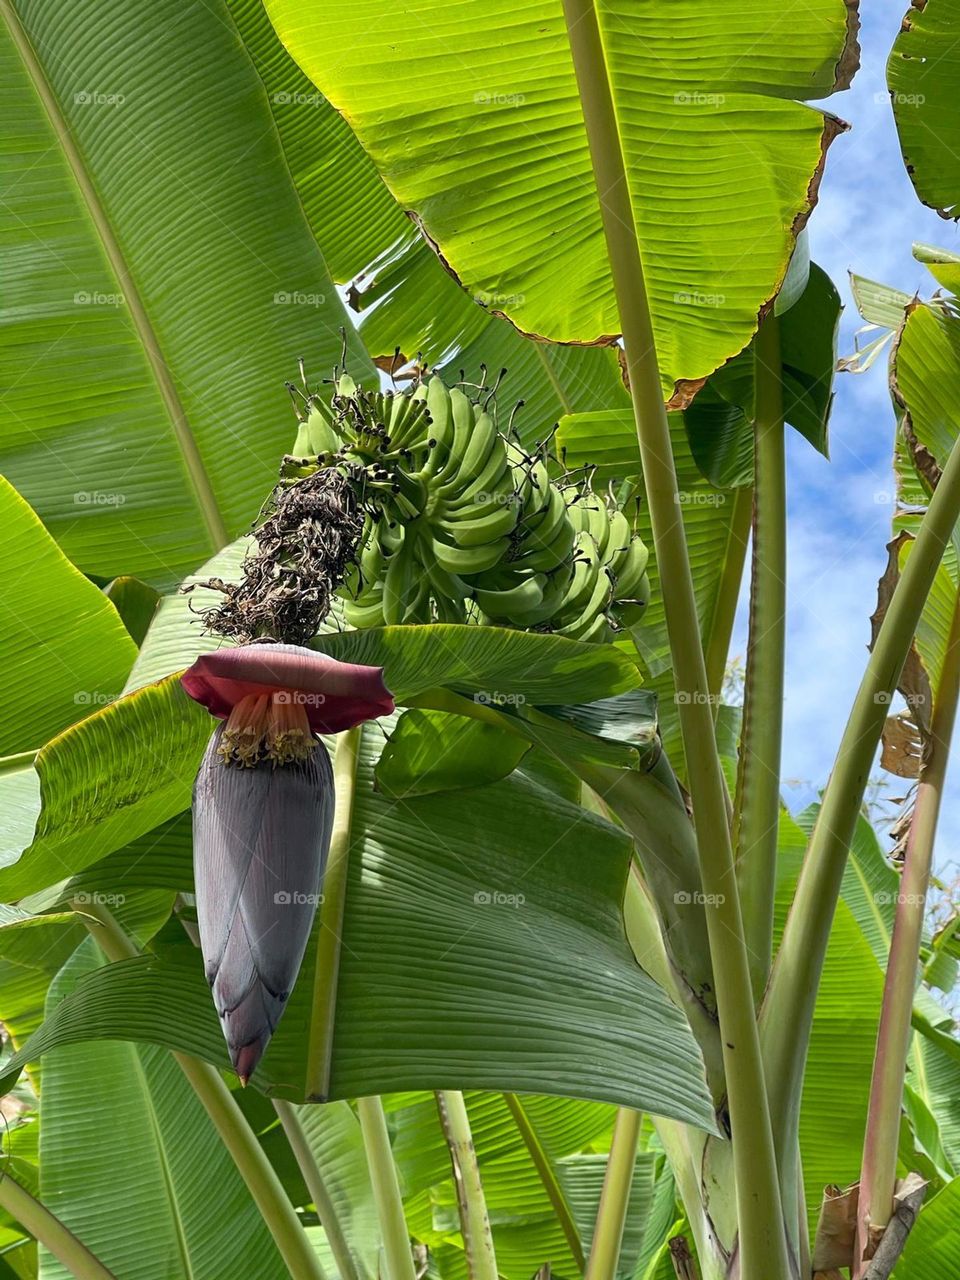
471, 1203
330, 931
49, 1231
787, 1013
879, 1171
762, 1236
615, 1197
551, 1185
227, 1118
757, 805
323, 1203
398, 1257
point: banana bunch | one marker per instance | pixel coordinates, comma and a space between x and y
460, 524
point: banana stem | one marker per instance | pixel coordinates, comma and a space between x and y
757, 806
615, 1197
330, 931
227, 1118
787, 1013
46, 1228
762, 1235
317, 1187
544, 1168
398, 1256
879, 1172
471, 1203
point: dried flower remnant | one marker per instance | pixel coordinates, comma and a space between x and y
263, 807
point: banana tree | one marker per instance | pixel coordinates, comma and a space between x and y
616, 1013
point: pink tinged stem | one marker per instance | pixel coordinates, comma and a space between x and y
878, 1175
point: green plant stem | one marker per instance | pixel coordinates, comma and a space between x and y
323, 1203
615, 1197
757, 806
37, 1219
330, 933
227, 1118
398, 1256
879, 1171
717, 646
762, 1238
787, 1013
551, 1185
471, 1203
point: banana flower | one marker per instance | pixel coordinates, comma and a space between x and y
263, 808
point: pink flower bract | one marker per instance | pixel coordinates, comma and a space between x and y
335, 695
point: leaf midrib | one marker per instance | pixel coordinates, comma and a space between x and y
190, 453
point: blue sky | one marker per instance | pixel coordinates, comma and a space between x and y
866, 222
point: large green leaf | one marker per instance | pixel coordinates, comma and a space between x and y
932, 1251
162, 281
63, 648
405, 297
133, 1164
33, 948
491, 663
722, 442
474, 119
506, 972
924, 78
105, 781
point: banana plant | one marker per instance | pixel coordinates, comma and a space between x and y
563, 986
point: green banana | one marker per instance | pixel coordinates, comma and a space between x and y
496, 521
483, 440
495, 481
364, 612
466, 561
461, 412
630, 574
401, 583
524, 596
